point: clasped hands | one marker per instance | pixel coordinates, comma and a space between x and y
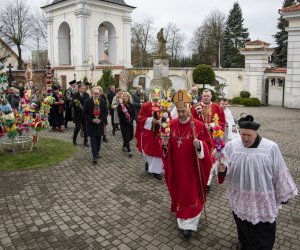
96, 120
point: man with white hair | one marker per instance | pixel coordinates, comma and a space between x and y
259, 182
195, 94
95, 113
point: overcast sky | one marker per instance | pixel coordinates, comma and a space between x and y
260, 16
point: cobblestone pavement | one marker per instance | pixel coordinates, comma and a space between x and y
116, 205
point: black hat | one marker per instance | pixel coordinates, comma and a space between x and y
79, 82
248, 123
55, 87
72, 82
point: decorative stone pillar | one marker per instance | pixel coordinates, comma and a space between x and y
49, 20
257, 55
292, 81
127, 42
81, 37
161, 72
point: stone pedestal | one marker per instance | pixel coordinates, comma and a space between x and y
161, 72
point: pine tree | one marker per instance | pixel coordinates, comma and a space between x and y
235, 36
281, 38
106, 80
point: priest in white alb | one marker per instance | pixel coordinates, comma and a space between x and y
259, 183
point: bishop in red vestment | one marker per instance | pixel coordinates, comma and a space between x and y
147, 136
186, 188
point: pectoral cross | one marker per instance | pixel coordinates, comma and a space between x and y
179, 142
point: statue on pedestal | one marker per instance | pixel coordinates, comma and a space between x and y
161, 43
161, 64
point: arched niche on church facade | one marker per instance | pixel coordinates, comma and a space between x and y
64, 44
107, 43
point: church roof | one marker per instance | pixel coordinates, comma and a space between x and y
118, 2
275, 70
257, 42
291, 8
256, 45
5, 45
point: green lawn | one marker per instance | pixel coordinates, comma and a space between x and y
46, 152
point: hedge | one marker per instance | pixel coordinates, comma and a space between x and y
245, 94
236, 100
251, 102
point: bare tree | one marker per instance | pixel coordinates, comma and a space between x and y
207, 41
175, 41
17, 25
142, 42
40, 22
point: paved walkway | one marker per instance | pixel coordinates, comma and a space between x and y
116, 205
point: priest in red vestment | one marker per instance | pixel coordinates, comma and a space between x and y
147, 134
205, 111
181, 152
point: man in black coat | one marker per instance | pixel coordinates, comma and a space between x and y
138, 98
78, 101
68, 102
95, 121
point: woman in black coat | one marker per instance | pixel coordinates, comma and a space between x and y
56, 116
126, 117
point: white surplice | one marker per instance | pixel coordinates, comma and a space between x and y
259, 180
229, 135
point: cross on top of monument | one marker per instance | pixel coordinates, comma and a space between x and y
9, 68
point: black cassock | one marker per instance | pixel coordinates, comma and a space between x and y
56, 116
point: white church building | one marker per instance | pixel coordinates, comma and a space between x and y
86, 36
85, 31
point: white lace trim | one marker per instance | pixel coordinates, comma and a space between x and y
262, 207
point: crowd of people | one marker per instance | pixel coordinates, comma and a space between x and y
189, 142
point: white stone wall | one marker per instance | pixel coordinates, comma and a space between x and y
180, 77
